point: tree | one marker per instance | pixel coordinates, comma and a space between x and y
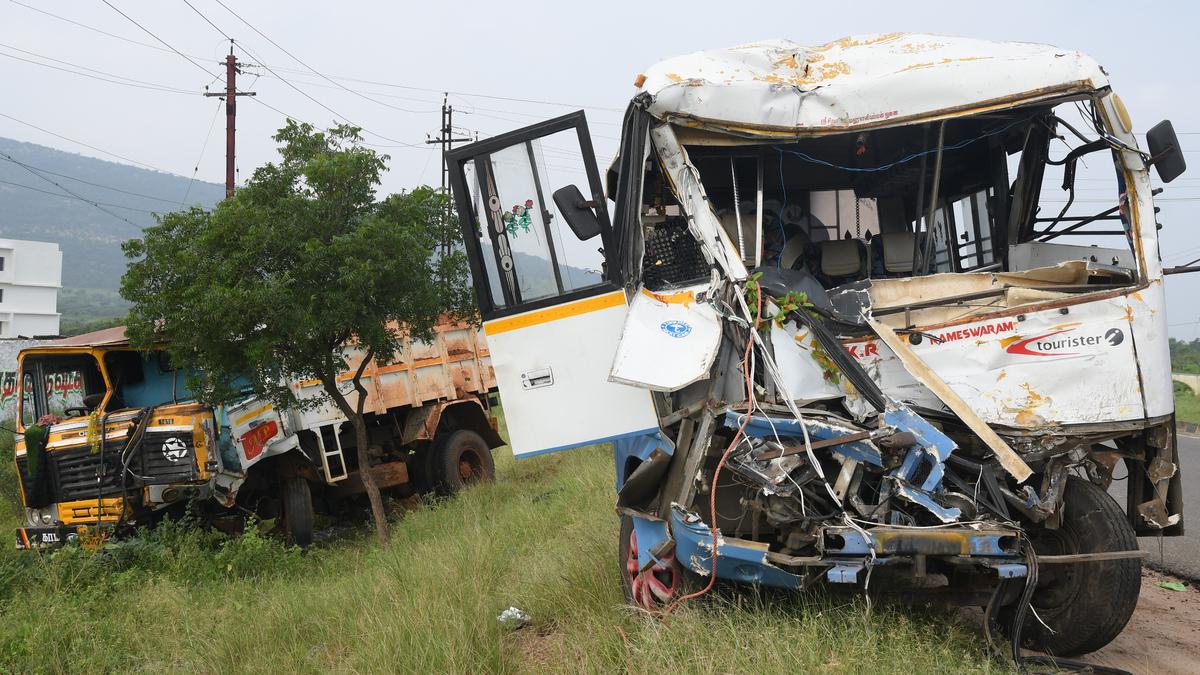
270, 285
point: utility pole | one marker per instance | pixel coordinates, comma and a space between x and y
446, 139
230, 96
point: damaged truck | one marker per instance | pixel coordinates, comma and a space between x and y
112, 439
883, 313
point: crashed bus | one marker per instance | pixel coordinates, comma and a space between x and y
854, 319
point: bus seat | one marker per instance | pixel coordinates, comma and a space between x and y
896, 251
843, 260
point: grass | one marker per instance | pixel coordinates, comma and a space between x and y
1187, 404
542, 537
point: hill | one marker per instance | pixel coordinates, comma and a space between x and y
89, 238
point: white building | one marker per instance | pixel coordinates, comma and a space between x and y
30, 276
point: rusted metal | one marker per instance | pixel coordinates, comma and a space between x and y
387, 475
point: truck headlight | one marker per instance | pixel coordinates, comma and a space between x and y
41, 516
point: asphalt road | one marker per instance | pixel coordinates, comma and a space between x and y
1177, 555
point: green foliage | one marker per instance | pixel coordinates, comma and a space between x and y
10, 491
1185, 356
270, 284
1187, 404
791, 302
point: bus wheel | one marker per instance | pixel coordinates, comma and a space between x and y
1083, 605
659, 585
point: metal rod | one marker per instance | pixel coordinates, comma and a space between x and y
1089, 557
758, 220
933, 198
917, 248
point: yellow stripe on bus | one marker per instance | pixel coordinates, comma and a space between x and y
555, 313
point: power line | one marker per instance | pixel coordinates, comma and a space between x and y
92, 147
207, 138
341, 77
297, 59
140, 84
206, 19
330, 110
76, 196
61, 196
164, 42
263, 103
85, 182
91, 28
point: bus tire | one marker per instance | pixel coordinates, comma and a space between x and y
1085, 604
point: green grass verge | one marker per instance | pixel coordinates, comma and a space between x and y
543, 537
1187, 404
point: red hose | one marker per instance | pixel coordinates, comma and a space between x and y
712, 496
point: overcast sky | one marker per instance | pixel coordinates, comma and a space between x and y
490, 54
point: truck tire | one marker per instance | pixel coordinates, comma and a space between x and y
1086, 604
297, 510
460, 459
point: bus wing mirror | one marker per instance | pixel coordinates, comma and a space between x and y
1165, 154
577, 211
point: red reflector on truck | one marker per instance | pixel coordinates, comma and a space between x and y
255, 440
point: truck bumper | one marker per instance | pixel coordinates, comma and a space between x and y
45, 537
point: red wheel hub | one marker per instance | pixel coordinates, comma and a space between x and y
655, 586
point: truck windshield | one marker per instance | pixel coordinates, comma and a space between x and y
64, 386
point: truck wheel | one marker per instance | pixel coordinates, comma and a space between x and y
297, 511
461, 459
1086, 604
654, 588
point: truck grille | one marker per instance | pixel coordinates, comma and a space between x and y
76, 473
167, 457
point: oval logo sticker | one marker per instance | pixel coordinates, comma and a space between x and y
676, 329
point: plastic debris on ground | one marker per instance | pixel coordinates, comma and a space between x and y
514, 618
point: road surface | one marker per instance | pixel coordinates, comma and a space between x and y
1178, 555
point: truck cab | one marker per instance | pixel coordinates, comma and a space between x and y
119, 438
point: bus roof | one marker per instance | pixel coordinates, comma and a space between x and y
780, 88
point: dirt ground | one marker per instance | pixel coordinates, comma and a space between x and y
1164, 634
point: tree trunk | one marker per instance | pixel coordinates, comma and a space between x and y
361, 442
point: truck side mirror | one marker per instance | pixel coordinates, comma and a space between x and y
1165, 153
577, 211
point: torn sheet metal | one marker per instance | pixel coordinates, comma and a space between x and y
761, 426
779, 87
737, 560
669, 340
1009, 459
1027, 371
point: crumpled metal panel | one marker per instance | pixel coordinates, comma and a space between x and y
669, 340
781, 87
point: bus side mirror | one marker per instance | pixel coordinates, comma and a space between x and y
577, 211
1165, 154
